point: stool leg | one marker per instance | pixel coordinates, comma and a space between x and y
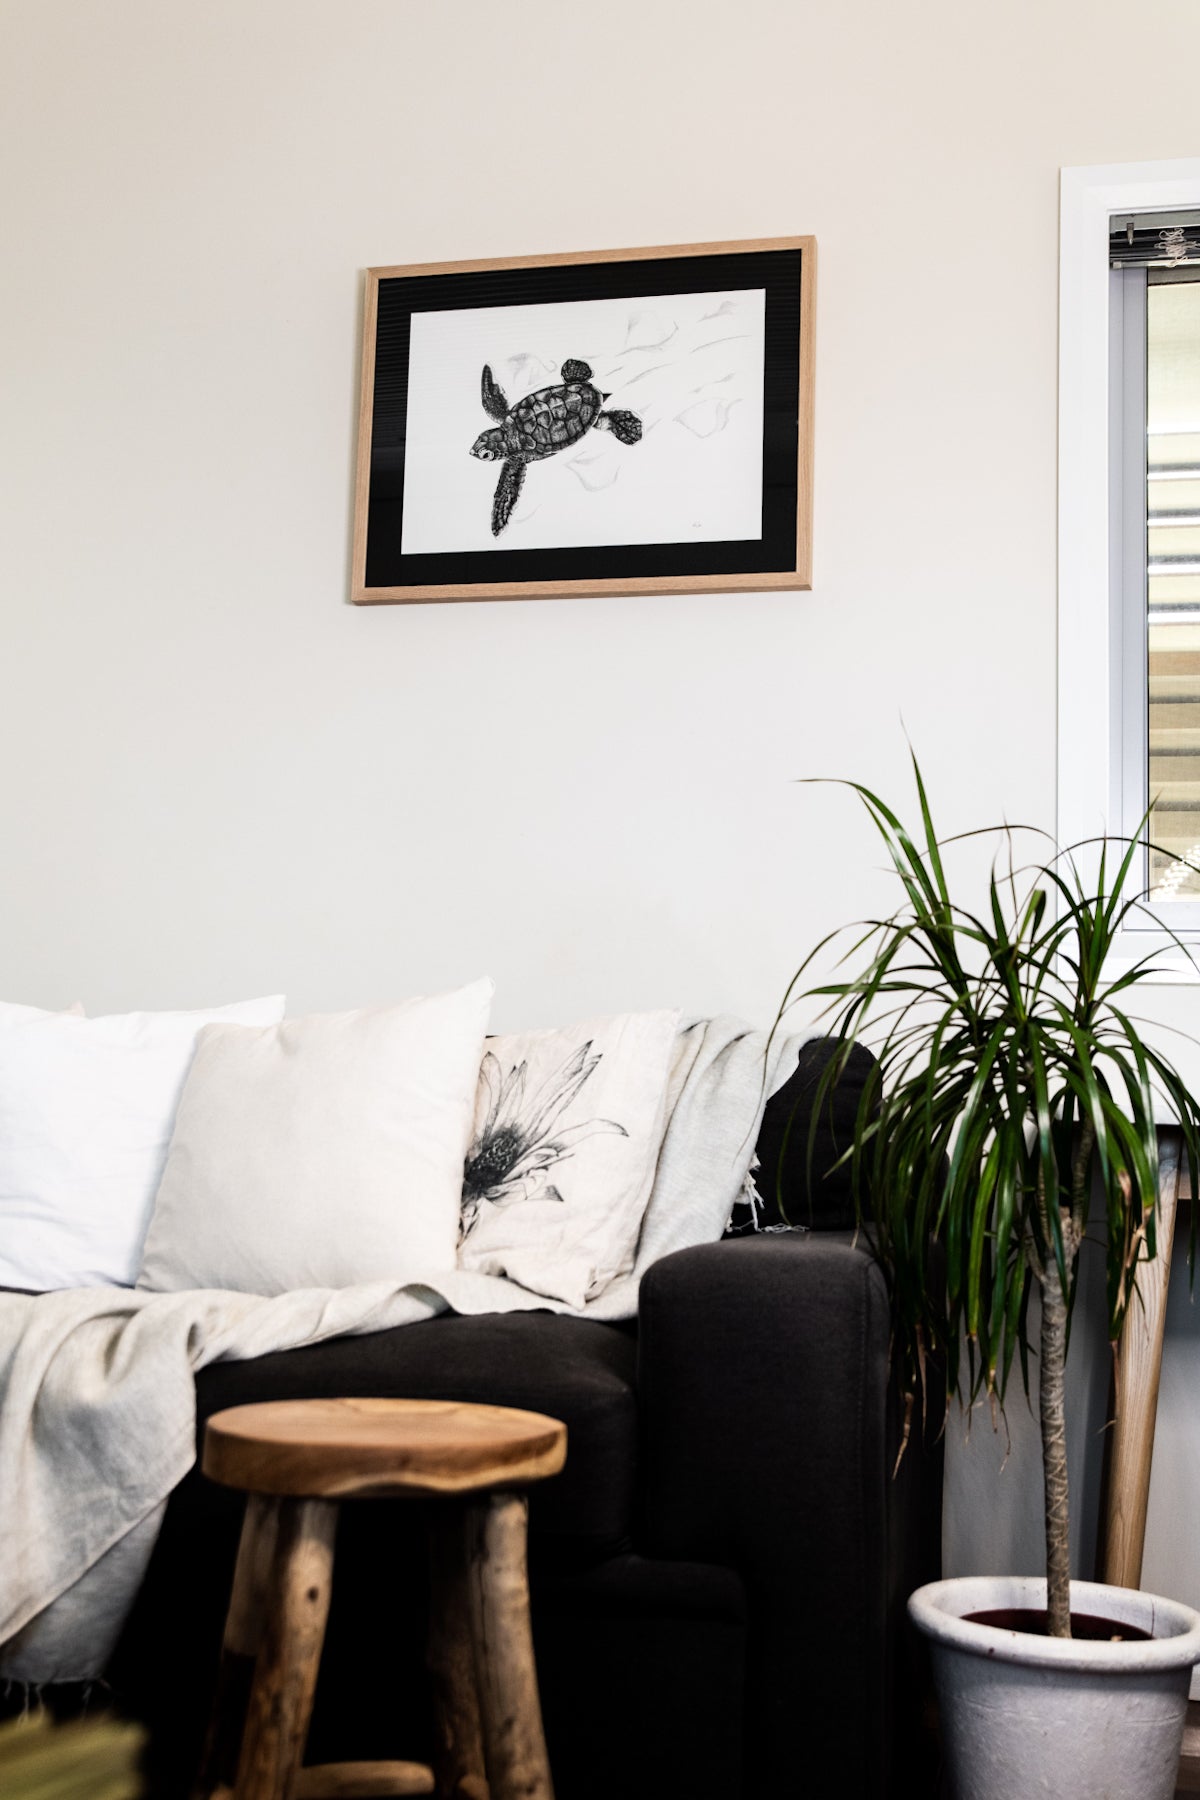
239, 1648
514, 1744
285, 1677
458, 1752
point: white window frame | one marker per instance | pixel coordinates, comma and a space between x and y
1092, 747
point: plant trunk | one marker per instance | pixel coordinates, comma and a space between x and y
1051, 1392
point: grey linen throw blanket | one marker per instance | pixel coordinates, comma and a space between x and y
97, 1388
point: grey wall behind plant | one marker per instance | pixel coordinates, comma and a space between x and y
220, 779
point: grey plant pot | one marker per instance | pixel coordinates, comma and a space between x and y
1036, 1716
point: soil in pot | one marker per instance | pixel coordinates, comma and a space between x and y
1086, 1626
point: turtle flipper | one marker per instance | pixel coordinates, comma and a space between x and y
574, 370
508, 492
624, 425
494, 403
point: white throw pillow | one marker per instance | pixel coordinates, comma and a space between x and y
325, 1152
568, 1127
86, 1110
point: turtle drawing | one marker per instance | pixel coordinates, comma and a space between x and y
541, 425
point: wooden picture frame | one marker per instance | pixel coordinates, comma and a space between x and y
706, 353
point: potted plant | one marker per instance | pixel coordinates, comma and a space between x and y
1011, 1084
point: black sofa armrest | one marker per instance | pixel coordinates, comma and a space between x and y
771, 1426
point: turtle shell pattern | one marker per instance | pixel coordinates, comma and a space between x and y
550, 419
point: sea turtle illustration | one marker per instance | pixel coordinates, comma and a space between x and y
539, 426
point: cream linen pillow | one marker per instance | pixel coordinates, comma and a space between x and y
568, 1127
324, 1152
86, 1110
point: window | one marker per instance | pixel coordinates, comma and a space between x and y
1129, 530
1155, 523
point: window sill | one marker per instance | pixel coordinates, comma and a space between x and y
1172, 967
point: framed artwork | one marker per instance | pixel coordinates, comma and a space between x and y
613, 421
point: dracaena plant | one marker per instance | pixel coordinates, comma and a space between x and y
1012, 1088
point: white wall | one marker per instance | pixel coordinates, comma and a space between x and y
219, 778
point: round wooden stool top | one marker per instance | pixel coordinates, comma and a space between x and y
339, 1449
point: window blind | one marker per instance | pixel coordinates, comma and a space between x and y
1173, 582
1154, 240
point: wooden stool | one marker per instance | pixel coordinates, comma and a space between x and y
296, 1459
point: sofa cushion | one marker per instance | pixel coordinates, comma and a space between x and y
323, 1151
86, 1112
574, 1369
567, 1132
799, 1155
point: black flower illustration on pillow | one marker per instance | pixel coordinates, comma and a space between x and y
511, 1157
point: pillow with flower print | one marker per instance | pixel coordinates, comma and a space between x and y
567, 1130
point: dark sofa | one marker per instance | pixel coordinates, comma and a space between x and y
718, 1575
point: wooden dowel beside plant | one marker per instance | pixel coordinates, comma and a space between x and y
1012, 1090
